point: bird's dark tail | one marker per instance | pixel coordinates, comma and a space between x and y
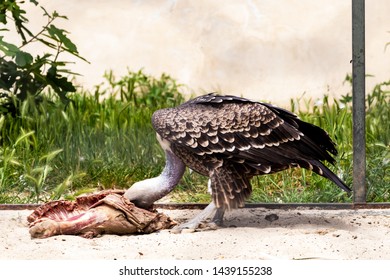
316, 144
327, 173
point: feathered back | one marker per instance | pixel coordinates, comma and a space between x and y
223, 136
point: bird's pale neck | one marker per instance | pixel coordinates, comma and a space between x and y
146, 192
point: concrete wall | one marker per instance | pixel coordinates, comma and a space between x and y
262, 49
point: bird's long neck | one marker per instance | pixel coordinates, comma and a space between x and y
145, 193
172, 173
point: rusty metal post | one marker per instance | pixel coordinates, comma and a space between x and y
358, 102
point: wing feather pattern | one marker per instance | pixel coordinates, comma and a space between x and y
246, 138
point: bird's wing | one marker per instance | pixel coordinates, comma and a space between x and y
230, 127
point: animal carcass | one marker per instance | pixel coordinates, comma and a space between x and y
107, 212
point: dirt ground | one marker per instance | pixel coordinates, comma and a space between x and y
247, 234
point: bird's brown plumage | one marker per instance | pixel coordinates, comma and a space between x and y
231, 139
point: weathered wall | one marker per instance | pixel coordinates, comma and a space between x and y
269, 50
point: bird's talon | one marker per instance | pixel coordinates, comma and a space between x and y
208, 226
190, 229
182, 229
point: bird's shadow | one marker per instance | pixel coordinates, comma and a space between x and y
265, 218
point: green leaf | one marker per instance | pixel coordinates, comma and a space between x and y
65, 85
60, 84
59, 35
56, 14
22, 58
3, 18
8, 48
47, 43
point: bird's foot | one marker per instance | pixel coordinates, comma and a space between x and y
212, 225
198, 223
191, 227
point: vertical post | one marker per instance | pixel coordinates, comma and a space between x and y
358, 101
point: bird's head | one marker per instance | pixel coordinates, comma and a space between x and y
143, 194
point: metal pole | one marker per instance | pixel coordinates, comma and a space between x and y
358, 101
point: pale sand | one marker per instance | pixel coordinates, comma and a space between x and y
297, 234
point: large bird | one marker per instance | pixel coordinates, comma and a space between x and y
230, 140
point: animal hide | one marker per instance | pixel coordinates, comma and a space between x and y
107, 212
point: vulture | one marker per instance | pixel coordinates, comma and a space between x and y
231, 139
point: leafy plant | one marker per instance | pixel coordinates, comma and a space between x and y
103, 139
23, 74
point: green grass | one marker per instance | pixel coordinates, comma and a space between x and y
104, 139
100, 140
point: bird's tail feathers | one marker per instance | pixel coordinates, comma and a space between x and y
324, 171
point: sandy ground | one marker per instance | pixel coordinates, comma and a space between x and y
296, 234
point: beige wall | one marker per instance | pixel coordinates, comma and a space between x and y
268, 50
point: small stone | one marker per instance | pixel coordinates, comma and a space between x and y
271, 217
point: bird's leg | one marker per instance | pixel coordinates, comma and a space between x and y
193, 224
218, 217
